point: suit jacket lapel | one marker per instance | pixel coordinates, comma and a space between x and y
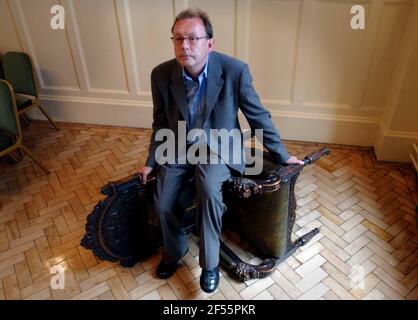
178, 91
214, 84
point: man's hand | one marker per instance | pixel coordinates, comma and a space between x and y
294, 160
144, 172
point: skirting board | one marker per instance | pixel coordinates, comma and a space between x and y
113, 112
394, 145
347, 130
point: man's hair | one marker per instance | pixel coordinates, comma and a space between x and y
195, 13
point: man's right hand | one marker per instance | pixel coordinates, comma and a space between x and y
144, 172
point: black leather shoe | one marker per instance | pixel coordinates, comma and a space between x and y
209, 280
166, 270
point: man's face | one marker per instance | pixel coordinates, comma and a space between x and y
191, 55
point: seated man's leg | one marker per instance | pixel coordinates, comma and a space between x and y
171, 180
210, 208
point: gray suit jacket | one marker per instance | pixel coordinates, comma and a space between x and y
229, 88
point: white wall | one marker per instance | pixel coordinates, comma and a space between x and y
321, 80
399, 123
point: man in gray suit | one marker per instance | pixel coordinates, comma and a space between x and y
205, 90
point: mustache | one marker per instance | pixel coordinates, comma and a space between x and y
186, 55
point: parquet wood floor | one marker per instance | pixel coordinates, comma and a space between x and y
366, 249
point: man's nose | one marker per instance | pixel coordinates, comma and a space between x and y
185, 43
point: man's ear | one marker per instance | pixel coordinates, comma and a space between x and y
211, 44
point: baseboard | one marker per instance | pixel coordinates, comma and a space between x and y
348, 130
115, 112
394, 145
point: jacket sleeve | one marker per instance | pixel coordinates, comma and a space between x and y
259, 118
159, 120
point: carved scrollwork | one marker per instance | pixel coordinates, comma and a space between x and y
245, 271
292, 209
244, 187
306, 238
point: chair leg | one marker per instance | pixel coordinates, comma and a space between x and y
14, 158
34, 159
48, 117
19, 154
25, 119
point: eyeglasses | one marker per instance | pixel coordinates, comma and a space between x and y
190, 40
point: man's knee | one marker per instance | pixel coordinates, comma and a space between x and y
164, 210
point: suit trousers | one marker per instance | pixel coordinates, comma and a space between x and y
171, 181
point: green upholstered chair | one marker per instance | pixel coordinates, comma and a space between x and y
1, 71
10, 131
18, 70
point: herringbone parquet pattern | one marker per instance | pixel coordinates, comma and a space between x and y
366, 249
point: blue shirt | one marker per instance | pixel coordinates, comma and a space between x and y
196, 97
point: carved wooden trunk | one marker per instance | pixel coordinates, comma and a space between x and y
124, 227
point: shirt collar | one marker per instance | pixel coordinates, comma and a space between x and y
204, 73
